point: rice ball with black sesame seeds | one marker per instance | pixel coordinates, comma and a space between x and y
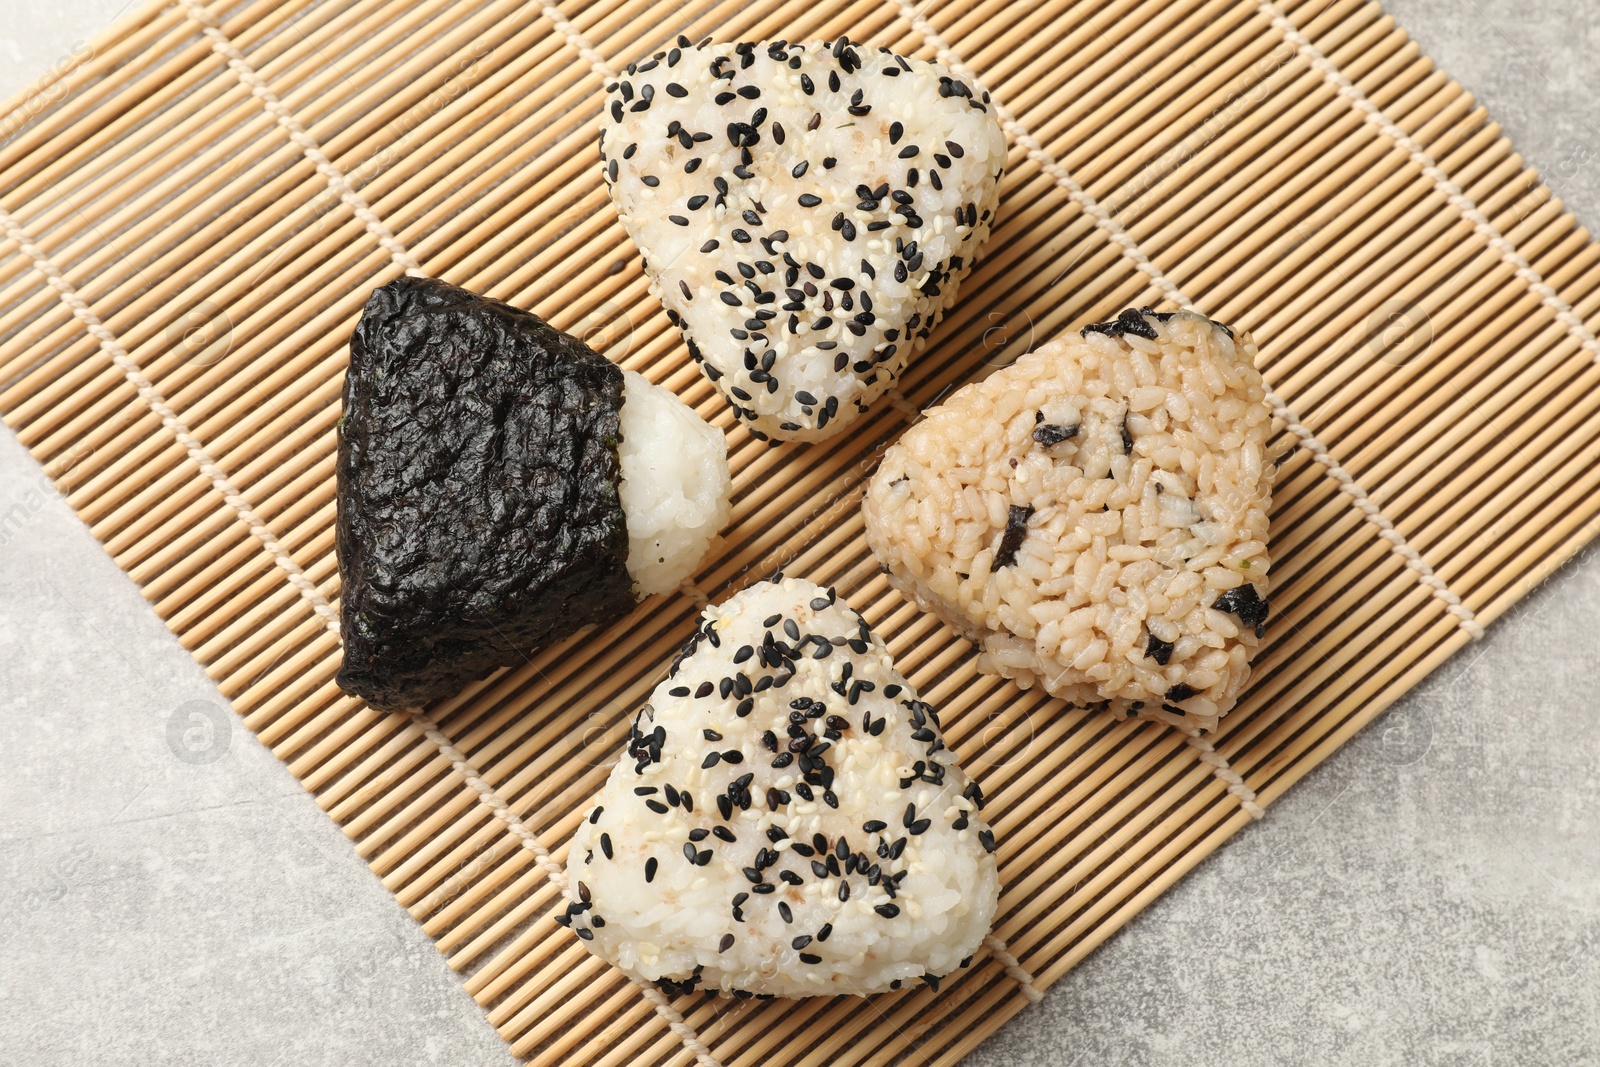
1094, 517
805, 212
787, 819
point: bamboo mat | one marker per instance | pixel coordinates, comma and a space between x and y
196, 206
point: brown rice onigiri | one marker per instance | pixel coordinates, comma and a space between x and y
1094, 517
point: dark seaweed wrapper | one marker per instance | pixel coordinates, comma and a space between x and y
478, 515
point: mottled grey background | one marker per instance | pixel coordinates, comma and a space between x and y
1431, 895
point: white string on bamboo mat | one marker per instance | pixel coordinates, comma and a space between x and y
1469, 210
1130, 247
224, 47
307, 589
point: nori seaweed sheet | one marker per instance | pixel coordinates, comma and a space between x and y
478, 515
1011, 540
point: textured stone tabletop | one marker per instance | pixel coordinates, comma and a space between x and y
1431, 895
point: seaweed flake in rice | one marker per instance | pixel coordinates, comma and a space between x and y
500, 485
786, 819
1094, 517
805, 212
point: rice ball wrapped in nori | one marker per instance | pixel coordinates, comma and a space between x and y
500, 486
787, 819
805, 212
1094, 517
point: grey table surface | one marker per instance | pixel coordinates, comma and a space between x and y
1430, 895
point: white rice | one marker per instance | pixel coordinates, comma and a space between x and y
881, 876
675, 485
800, 311
1136, 535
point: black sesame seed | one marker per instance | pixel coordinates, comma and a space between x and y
726, 943
605, 845
888, 911
650, 869
656, 806
908, 151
